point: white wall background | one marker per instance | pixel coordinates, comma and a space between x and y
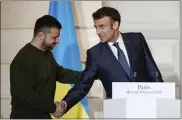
157, 20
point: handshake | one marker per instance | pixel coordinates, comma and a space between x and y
60, 109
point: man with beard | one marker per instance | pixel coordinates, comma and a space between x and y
34, 72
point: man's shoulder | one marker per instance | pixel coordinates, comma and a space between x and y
22, 55
95, 47
131, 33
134, 37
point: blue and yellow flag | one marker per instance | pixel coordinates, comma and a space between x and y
67, 54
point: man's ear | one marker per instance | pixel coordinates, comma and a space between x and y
41, 36
116, 25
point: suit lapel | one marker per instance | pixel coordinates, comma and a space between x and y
128, 45
130, 52
113, 58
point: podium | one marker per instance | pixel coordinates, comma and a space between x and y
153, 100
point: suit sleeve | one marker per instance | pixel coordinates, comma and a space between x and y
81, 89
151, 66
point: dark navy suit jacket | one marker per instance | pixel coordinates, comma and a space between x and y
102, 63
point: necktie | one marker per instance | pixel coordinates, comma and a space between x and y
122, 59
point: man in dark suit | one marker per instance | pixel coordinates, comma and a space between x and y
119, 57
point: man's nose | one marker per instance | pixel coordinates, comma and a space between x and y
98, 31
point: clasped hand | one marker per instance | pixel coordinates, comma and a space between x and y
60, 109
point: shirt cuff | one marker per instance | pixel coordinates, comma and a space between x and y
64, 102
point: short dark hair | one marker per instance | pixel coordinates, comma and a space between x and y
45, 23
107, 11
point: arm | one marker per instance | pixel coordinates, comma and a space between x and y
81, 89
23, 90
152, 68
68, 76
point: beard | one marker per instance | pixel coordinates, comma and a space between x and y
47, 46
50, 46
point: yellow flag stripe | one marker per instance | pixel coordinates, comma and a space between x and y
77, 111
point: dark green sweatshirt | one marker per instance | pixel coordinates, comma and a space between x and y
33, 76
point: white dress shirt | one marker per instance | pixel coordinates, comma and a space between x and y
121, 46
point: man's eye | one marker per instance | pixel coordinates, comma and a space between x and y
102, 26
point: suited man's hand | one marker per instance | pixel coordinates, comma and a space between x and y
64, 108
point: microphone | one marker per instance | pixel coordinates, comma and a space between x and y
134, 76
